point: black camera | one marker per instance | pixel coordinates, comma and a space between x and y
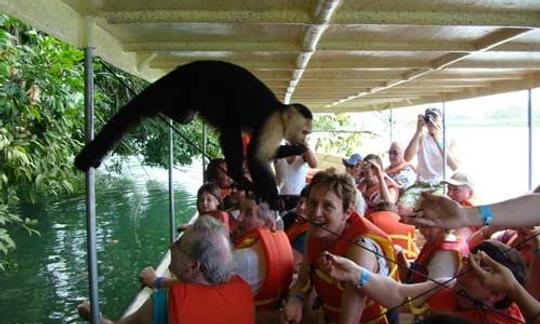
430, 115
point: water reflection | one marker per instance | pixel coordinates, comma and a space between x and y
50, 276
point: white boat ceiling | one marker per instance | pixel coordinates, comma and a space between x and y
334, 56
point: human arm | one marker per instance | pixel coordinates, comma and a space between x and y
533, 282
500, 279
402, 261
148, 278
292, 311
141, 315
443, 212
309, 158
353, 301
412, 148
451, 153
483, 233
452, 157
382, 289
388, 195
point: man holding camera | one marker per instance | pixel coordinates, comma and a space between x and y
427, 146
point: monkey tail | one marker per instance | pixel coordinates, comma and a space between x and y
93, 152
160, 96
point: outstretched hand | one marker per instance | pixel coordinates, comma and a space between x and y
84, 310
339, 268
147, 277
439, 211
494, 275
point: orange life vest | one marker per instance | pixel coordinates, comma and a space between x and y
224, 192
296, 229
427, 252
279, 260
329, 290
400, 234
231, 302
246, 138
468, 203
221, 216
446, 301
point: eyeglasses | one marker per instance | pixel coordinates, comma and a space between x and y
393, 152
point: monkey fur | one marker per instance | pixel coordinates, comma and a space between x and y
229, 98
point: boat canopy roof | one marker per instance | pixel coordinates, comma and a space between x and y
332, 55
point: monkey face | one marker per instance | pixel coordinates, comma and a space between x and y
297, 128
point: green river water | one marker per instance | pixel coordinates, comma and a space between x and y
50, 275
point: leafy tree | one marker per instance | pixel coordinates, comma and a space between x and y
337, 134
42, 124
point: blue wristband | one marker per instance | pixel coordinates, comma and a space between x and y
157, 283
363, 278
485, 213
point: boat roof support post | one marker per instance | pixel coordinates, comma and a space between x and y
530, 139
171, 184
445, 153
90, 188
204, 141
391, 123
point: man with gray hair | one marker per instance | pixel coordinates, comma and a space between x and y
263, 257
202, 262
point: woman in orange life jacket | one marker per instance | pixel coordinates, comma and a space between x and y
209, 203
376, 186
384, 215
335, 226
482, 293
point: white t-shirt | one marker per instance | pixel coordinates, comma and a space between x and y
430, 160
291, 178
249, 266
442, 265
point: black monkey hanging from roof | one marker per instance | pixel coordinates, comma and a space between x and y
229, 98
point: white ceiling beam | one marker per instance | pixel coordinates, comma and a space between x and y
212, 46
170, 63
484, 44
323, 14
285, 16
336, 46
500, 18
528, 81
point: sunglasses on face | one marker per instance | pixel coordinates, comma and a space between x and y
393, 152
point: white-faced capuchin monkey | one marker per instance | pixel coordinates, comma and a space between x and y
229, 98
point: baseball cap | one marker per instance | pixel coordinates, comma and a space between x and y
460, 179
353, 160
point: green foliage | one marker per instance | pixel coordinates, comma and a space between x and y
42, 121
336, 134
